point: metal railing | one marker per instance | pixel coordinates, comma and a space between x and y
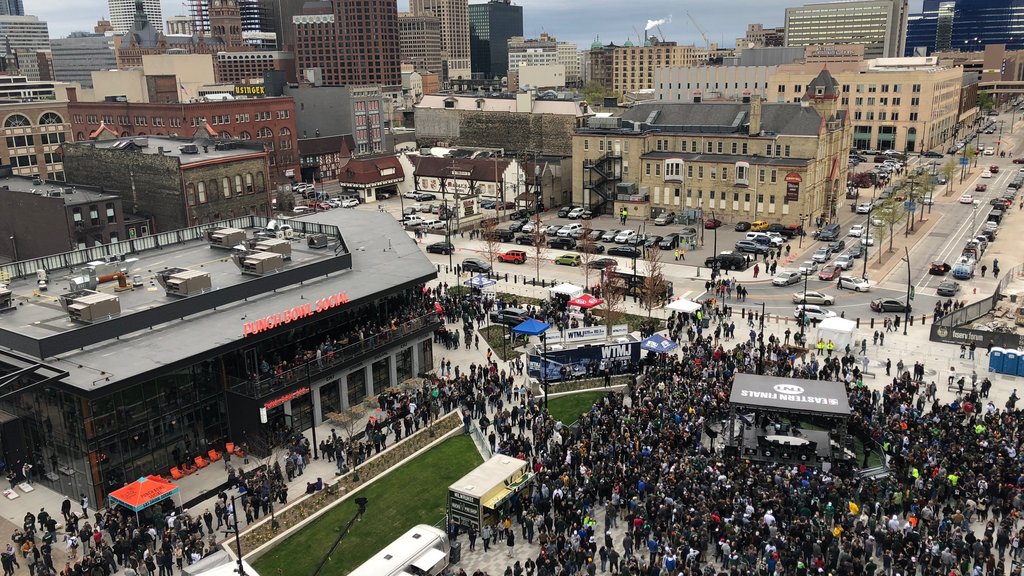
261, 385
973, 311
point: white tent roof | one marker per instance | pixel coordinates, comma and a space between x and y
566, 288
837, 324
683, 305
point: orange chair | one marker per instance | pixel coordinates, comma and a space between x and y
186, 469
176, 473
214, 455
201, 462
229, 447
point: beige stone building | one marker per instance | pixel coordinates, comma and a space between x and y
743, 160
33, 134
454, 20
629, 68
906, 104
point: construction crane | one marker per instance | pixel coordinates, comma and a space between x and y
707, 43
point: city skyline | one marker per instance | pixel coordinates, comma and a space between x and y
560, 18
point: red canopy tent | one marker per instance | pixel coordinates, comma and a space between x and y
585, 301
142, 493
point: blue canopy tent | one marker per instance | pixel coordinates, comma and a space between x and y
658, 343
534, 327
479, 282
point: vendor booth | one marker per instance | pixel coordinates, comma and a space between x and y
485, 494
142, 493
570, 357
839, 331
789, 420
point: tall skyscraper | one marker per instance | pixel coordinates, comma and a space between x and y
259, 24
122, 14
12, 8
348, 43
26, 35
420, 40
76, 57
880, 25
966, 25
454, 18
490, 27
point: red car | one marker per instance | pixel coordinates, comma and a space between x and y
830, 272
980, 188
993, 169
712, 223
1018, 160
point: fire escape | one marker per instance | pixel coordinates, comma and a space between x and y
600, 176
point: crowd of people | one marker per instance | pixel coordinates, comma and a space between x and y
642, 459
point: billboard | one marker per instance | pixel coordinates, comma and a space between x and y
580, 358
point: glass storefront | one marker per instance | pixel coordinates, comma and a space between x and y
426, 356
403, 364
381, 375
330, 399
356, 387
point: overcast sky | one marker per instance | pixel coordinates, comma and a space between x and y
577, 21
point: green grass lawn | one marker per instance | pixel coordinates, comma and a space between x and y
567, 409
414, 493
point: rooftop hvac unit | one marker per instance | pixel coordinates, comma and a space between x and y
88, 306
183, 282
276, 245
6, 299
317, 241
225, 237
258, 263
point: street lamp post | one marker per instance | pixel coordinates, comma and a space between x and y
803, 310
931, 188
906, 309
866, 243
716, 265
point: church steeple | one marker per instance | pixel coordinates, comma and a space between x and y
141, 19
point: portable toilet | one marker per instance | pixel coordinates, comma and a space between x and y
1011, 362
996, 359
1020, 364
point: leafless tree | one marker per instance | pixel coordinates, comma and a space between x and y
492, 245
540, 246
613, 292
653, 291
586, 246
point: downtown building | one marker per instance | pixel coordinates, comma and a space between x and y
880, 25
491, 25
747, 160
348, 43
453, 20
119, 381
965, 26
122, 14
420, 42
25, 37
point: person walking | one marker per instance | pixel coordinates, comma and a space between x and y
510, 541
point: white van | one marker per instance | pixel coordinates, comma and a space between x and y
433, 224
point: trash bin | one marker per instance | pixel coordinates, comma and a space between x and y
455, 554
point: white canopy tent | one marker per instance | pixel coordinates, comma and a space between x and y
566, 290
683, 305
838, 330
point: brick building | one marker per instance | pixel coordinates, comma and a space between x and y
238, 67
40, 219
268, 121
348, 43
173, 182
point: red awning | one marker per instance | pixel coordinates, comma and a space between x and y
585, 301
143, 493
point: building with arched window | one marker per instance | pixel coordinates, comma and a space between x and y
32, 135
174, 182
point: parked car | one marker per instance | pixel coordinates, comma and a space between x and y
750, 246
759, 226
349, 203
712, 223
948, 288
742, 226
525, 239
813, 312
932, 154
669, 242
864, 208
786, 278
499, 234
855, 283
517, 225
595, 234
603, 263
424, 197
575, 213
627, 251
562, 243
609, 236
590, 248
889, 305
552, 229
568, 260
441, 248
625, 236
665, 219
564, 210
475, 265
509, 316
830, 272
567, 230
812, 297
512, 257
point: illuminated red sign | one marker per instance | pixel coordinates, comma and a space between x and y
289, 396
293, 314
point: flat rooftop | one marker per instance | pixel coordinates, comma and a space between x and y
187, 150
368, 253
71, 194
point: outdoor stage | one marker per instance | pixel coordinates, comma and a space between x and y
767, 416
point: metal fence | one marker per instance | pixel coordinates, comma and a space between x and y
972, 312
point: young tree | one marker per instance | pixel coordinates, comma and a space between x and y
492, 245
948, 170
540, 246
586, 247
613, 292
890, 213
653, 291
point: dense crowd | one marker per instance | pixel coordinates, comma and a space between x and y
637, 459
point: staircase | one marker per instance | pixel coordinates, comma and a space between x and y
600, 176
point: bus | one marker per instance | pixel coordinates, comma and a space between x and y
422, 551
634, 282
